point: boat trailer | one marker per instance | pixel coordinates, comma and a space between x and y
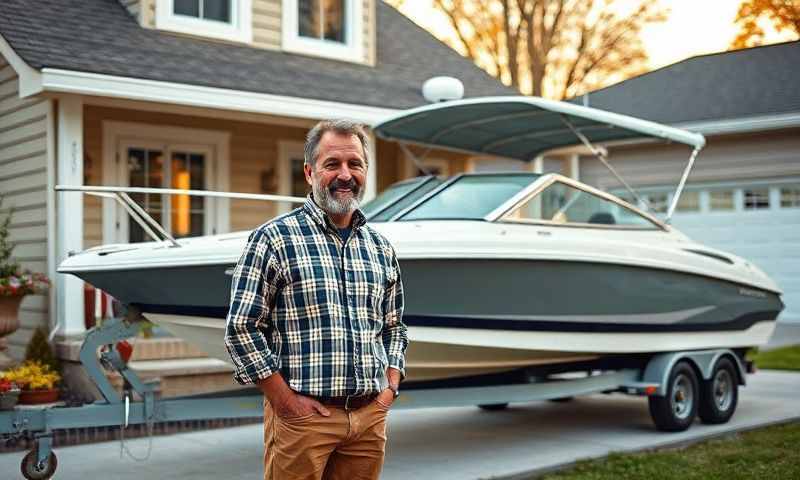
138, 403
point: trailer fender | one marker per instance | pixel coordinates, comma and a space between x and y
659, 367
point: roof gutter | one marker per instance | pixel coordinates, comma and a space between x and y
743, 125
94, 84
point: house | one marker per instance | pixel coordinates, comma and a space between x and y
212, 95
743, 195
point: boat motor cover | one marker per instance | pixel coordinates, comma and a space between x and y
519, 127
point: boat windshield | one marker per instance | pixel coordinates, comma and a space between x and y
470, 197
398, 197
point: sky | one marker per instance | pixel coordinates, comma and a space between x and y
694, 27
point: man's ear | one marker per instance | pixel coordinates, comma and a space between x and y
307, 171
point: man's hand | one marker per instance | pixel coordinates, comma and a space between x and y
286, 402
386, 397
296, 405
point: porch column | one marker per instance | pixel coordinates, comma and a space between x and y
69, 214
538, 164
573, 166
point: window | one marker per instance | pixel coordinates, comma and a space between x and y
470, 197
223, 19
790, 196
291, 176
564, 204
218, 10
721, 200
689, 202
756, 198
326, 28
659, 202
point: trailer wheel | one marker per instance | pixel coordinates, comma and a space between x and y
719, 395
675, 411
493, 407
33, 471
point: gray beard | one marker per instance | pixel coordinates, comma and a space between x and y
332, 205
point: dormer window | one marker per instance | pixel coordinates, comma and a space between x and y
217, 10
326, 28
223, 19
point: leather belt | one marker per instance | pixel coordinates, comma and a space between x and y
350, 402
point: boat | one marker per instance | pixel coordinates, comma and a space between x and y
502, 271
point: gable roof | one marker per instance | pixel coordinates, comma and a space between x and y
754, 82
100, 36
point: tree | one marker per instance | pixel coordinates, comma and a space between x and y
553, 48
784, 15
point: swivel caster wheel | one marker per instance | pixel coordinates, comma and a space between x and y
33, 470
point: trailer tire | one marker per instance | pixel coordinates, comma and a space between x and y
493, 407
675, 411
719, 395
30, 470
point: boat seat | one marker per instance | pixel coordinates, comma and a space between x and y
603, 218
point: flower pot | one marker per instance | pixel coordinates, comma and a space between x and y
9, 314
35, 397
9, 323
8, 400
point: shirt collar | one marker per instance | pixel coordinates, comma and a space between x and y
321, 217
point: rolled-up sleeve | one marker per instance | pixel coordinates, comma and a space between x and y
253, 288
394, 335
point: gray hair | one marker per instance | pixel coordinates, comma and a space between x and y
342, 127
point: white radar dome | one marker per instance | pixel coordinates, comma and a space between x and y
442, 89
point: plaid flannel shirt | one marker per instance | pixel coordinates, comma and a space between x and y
325, 313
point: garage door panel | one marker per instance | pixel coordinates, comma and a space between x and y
768, 238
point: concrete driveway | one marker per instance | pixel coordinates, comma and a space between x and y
446, 443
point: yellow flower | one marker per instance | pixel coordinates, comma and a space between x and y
33, 375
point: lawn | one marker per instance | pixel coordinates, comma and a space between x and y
766, 453
786, 358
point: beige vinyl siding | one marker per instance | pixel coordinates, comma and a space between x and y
253, 150
725, 158
23, 185
267, 24
147, 13
370, 27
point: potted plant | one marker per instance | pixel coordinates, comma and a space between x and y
15, 283
36, 380
9, 393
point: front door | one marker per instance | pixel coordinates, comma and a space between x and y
165, 165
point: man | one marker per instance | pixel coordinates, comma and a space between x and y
316, 321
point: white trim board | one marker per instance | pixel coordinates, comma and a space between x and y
66, 81
29, 78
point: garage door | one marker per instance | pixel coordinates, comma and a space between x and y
758, 221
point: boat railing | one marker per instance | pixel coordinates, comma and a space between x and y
147, 222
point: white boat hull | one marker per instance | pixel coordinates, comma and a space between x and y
437, 353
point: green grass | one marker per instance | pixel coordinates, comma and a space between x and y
769, 453
786, 358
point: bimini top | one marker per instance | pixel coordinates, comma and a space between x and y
519, 127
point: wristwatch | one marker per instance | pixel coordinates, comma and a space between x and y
395, 388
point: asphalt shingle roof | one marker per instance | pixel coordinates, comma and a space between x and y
742, 83
99, 36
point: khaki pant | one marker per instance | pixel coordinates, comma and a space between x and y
344, 446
